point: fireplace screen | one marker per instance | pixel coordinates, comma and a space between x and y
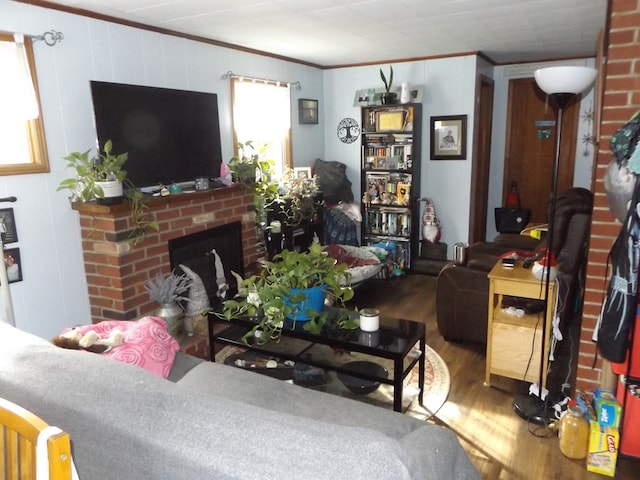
213, 254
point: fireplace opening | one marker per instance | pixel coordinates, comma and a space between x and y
213, 254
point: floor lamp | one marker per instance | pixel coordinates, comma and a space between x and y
561, 84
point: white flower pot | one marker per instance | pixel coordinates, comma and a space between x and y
113, 192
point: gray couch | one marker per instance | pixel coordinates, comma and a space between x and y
214, 421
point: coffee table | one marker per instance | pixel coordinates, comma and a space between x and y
394, 344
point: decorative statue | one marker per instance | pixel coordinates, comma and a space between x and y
430, 223
198, 298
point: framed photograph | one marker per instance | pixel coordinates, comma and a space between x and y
307, 111
14, 265
449, 137
10, 234
389, 121
302, 172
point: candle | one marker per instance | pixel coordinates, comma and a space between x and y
369, 319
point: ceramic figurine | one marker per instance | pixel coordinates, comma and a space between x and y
430, 223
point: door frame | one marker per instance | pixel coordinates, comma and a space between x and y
480, 170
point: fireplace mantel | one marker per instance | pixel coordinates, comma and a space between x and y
116, 270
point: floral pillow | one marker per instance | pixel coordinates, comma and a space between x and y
146, 343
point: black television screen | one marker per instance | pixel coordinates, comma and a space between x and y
171, 136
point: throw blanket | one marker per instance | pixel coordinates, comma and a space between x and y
341, 256
146, 343
339, 228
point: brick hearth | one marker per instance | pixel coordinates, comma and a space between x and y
116, 271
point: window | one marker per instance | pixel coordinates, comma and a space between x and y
262, 114
21, 129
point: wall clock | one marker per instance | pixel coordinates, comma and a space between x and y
348, 130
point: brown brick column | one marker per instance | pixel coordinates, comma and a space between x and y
621, 100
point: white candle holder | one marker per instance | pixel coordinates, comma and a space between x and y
369, 319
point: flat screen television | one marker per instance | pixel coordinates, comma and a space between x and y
171, 136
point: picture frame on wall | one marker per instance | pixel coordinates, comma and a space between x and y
449, 137
307, 111
13, 264
7, 218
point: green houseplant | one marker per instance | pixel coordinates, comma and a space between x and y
297, 200
277, 294
94, 181
94, 174
252, 169
389, 96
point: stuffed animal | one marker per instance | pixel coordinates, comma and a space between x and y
92, 342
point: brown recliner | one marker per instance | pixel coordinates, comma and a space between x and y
463, 290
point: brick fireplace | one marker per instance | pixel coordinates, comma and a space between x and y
116, 271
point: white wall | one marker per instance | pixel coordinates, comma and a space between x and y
53, 294
449, 89
583, 170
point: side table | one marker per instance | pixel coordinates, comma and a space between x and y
514, 344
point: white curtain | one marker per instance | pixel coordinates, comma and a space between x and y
262, 114
17, 95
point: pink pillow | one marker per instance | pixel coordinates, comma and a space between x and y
147, 343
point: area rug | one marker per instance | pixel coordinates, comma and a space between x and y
437, 381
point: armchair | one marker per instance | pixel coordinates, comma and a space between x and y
463, 290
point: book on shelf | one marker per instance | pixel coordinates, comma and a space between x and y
385, 222
391, 157
404, 193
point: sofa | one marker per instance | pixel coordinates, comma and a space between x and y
208, 420
462, 293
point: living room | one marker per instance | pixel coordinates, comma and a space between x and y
53, 269
53, 266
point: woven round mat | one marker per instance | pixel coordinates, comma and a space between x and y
437, 383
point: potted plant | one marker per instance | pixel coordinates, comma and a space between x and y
298, 201
253, 170
388, 97
291, 288
101, 179
168, 291
98, 177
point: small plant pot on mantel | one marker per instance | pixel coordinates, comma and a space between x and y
113, 192
388, 98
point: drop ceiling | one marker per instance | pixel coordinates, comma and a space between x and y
330, 33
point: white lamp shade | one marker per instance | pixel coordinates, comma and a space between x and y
565, 79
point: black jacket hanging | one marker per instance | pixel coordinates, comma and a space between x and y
620, 306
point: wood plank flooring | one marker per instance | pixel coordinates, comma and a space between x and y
500, 444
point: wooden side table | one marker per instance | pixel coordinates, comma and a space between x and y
514, 344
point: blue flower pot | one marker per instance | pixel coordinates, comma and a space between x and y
314, 301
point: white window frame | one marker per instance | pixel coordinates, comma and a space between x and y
262, 115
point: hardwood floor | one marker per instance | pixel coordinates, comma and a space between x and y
500, 444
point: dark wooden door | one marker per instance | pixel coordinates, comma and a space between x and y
530, 146
482, 160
